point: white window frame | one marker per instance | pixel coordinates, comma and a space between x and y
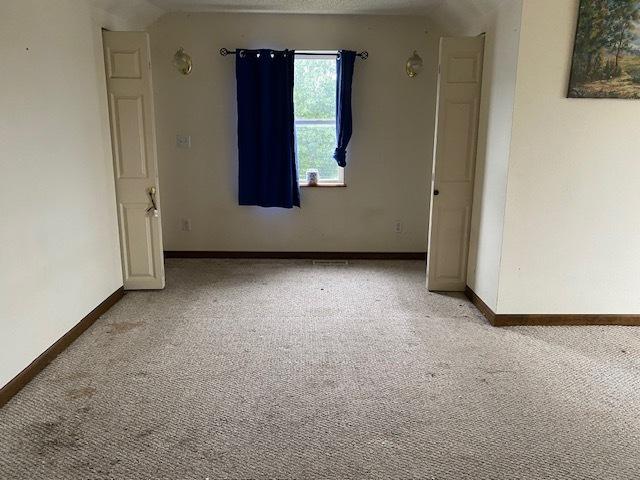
320, 55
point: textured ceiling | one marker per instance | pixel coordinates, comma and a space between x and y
381, 7
136, 14
458, 17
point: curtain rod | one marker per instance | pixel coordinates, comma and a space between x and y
363, 55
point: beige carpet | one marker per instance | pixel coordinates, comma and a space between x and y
283, 369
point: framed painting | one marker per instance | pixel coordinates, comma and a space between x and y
606, 56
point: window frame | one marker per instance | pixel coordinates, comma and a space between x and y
319, 55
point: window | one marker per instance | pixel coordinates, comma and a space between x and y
314, 97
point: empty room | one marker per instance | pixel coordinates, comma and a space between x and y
357, 239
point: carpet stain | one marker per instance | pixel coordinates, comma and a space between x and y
75, 376
52, 436
145, 433
78, 393
123, 327
48, 427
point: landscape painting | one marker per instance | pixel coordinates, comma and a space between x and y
606, 57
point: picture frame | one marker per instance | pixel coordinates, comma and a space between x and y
606, 55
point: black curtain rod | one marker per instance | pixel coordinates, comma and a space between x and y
224, 52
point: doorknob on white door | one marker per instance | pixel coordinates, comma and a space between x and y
436, 192
152, 196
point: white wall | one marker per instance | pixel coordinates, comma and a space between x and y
60, 255
501, 23
496, 115
572, 227
389, 159
565, 171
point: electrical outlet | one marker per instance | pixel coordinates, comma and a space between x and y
183, 141
185, 224
398, 227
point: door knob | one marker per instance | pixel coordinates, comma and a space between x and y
436, 192
152, 196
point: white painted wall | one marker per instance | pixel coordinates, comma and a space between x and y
572, 228
499, 82
60, 255
567, 237
501, 23
389, 155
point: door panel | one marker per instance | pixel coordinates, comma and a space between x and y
459, 141
456, 138
463, 66
123, 63
131, 156
139, 259
454, 228
130, 94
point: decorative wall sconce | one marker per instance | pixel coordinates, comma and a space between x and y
414, 65
182, 61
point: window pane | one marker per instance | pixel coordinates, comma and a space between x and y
316, 144
314, 93
315, 112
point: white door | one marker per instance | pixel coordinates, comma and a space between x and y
458, 105
128, 70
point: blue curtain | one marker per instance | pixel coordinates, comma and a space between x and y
266, 144
346, 61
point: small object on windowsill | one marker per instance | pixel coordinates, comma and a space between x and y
312, 177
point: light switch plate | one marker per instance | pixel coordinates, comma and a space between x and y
183, 141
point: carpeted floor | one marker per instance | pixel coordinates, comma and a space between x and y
283, 369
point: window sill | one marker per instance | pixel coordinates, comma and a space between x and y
323, 185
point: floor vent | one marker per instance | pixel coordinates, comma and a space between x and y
331, 263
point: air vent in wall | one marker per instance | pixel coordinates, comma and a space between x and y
331, 263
